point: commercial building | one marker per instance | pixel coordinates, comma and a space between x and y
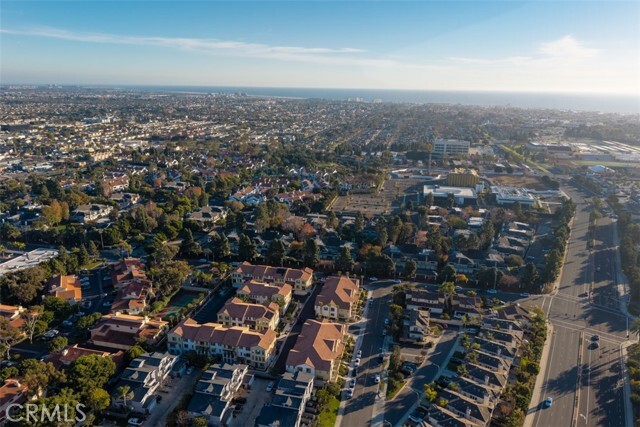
460, 195
510, 195
450, 146
27, 260
463, 178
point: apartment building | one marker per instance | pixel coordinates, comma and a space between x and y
318, 349
215, 391
338, 298
257, 317
263, 293
299, 279
235, 344
122, 331
143, 376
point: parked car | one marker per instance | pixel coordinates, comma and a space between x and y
492, 291
377, 379
349, 393
525, 294
397, 281
270, 385
373, 279
595, 345
595, 337
472, 331
352, 383
190, 370
359, 354
357, 363
134, 422
548, 402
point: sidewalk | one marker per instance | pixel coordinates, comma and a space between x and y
537, 389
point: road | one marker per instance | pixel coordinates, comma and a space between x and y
359, 409
598, 390
396, 409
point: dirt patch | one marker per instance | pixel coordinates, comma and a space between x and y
532, 182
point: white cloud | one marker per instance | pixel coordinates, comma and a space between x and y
322, 55
567, 47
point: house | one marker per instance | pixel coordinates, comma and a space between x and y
68, 288
257, 317
442, 417
263, 293
466, 408
422, 299
13, 314
71, 353
122, 331
338, 298
214, 392
299, 279
12, 393
125, 200
288, 402
462, 263
144, 376
135, 290
235, 344
90, 213
470, 306
317, 350
415, 326
208, 216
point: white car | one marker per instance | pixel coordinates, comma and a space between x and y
359, 354
377, 379
350, 393
492, 291
134, 422
356, 363
373, 279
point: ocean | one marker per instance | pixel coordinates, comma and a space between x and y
598, 103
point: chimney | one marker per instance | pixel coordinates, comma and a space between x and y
510, 327
486, 380
499, 351
468, 412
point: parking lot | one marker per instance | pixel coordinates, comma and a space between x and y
257, 396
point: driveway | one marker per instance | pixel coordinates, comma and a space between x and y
257, 397
176, 388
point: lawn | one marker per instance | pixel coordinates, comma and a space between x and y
608, 164
179, 300
327, 417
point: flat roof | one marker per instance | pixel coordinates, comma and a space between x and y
443, 191
27, 260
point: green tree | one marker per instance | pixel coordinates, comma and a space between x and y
38, 376
83, 256
57, 344
9, 334
90, 371
98, 399
448, 273
311, 253
529, 277
222, 247
345, 261
134, 352
247, 249
93, 250
410, 268
430, 392
200, 422
276, 252
30, 319
635, 327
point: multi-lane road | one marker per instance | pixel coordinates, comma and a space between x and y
586, 382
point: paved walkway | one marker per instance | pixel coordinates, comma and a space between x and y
537, 389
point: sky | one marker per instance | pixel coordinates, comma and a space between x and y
569, 46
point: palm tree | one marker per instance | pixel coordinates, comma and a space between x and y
124, 392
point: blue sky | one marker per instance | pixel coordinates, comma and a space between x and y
539, 46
